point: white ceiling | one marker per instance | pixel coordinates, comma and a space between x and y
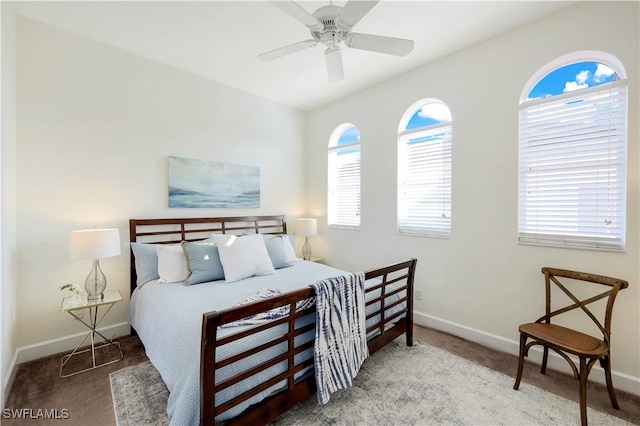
220, 40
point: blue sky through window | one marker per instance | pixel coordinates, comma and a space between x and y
418, 120
572, 77
428, 115
350, 135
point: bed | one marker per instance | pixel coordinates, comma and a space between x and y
221, 368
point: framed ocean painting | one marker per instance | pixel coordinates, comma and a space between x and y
211, 184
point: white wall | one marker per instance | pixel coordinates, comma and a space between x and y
481, 279
8, 271
95, 126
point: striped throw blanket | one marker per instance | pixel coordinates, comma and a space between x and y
341, 336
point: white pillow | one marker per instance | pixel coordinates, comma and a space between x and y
172, 263
288, 249
243, 257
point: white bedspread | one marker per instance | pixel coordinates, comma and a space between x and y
168, 319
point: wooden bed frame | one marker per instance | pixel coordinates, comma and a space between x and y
387, 328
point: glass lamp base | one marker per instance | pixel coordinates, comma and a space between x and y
306, 249
95, 283
97, 298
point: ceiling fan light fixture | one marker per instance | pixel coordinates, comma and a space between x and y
335, 70
330, 38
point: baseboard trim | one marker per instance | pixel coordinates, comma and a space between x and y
622, 381
67, 343
8, 381
52, 347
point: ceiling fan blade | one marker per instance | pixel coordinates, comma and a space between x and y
335, 71
299, 13
382, 44
286, 50
354, 11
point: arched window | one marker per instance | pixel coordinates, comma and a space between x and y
344, 177
424, 169
572, 160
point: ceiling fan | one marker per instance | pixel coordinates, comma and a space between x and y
331, 26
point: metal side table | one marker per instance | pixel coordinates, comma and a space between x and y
111, 297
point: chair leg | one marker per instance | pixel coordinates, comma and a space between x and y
583, 390
605, 363
545, 356
523, 342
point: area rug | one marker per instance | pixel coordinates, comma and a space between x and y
139, 396
398, 385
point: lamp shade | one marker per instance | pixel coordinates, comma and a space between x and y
307, 227
94, 243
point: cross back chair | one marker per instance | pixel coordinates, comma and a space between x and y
566, 341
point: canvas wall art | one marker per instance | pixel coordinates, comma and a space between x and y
212, 184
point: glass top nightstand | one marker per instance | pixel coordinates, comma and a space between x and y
71, 305
110, 297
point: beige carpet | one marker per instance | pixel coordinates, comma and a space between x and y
87, 396
419, 385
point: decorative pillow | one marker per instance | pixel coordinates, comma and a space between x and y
289, 247
243, 257
146, 262
172, 263
276, 249
203, 261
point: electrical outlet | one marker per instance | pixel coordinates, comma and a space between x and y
79, 314
418, 294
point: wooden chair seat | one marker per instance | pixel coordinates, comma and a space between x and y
568, 340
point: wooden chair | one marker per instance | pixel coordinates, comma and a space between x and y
566, 341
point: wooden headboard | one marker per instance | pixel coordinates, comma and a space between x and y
173, 231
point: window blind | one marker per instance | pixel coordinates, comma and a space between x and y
424, 181
344, 186
572, 169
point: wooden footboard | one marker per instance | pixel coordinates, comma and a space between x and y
392, 317
296, 380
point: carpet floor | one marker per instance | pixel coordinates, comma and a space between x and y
87, 397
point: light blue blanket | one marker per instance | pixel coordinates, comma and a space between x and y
341, 335
168, 319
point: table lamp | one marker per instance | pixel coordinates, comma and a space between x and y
307, 227
95, 244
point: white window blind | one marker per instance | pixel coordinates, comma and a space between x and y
344, 185
572, 169
424, 181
